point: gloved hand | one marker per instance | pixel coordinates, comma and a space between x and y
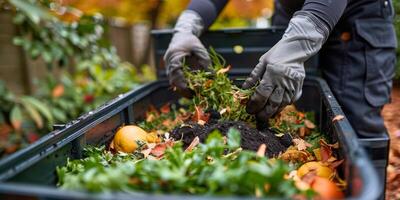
185, 43
280, 72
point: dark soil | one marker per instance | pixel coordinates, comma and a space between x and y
251, 138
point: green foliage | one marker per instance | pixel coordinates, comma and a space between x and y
98, 74
58, 42
22, 118
396, 4
207, 169
214, 90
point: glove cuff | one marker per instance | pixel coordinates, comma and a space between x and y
316, 23
189, 22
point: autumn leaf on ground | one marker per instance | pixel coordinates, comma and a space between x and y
335, 164
337, 118
146, 152
165, 108
301, 144
335, 146
294, 155
160, 148
194, 143
224, 70
309, 124
200, 116
326, 152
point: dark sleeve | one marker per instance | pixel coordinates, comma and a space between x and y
329, 11
207, 9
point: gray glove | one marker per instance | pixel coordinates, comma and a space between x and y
185, 43
281, 70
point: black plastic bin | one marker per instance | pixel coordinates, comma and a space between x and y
31, 171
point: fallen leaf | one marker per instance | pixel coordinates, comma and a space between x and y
167, 123
261, 150
317, 154
326, 153
292, 155
301, 144
150, 117
193, 144
337, 118
309, 124
160, 148
302, 132
336, 164
208, 83
331, 159
146, 152
200, 115
224, 70
165, 108
335, 146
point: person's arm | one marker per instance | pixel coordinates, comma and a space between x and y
280, 72
207, 9
327, 11
199, 15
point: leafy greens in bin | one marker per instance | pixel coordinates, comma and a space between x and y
213, 164
203, 170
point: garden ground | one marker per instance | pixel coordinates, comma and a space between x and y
391, 114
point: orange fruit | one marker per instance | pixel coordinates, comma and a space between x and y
326, 189
320, 169
126, 139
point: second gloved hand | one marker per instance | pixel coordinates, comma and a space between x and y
280, 72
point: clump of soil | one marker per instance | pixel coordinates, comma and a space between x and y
251, 138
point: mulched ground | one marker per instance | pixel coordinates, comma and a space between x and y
251, 138
391, 114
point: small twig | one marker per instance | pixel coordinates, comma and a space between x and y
194, 143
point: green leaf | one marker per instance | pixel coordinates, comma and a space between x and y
34, 12
233, 138
16, 117
33, 113
41, 107
59, 115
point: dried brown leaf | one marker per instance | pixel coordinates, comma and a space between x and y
165, 108
309, 124
193, 144
301, 144
337, 118
224, 70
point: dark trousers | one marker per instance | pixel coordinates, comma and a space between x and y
358, 61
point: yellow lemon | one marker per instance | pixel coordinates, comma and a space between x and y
126, 139
320, 169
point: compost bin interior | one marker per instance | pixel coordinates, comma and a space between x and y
35, 166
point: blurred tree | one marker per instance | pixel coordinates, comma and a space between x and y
163, 13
